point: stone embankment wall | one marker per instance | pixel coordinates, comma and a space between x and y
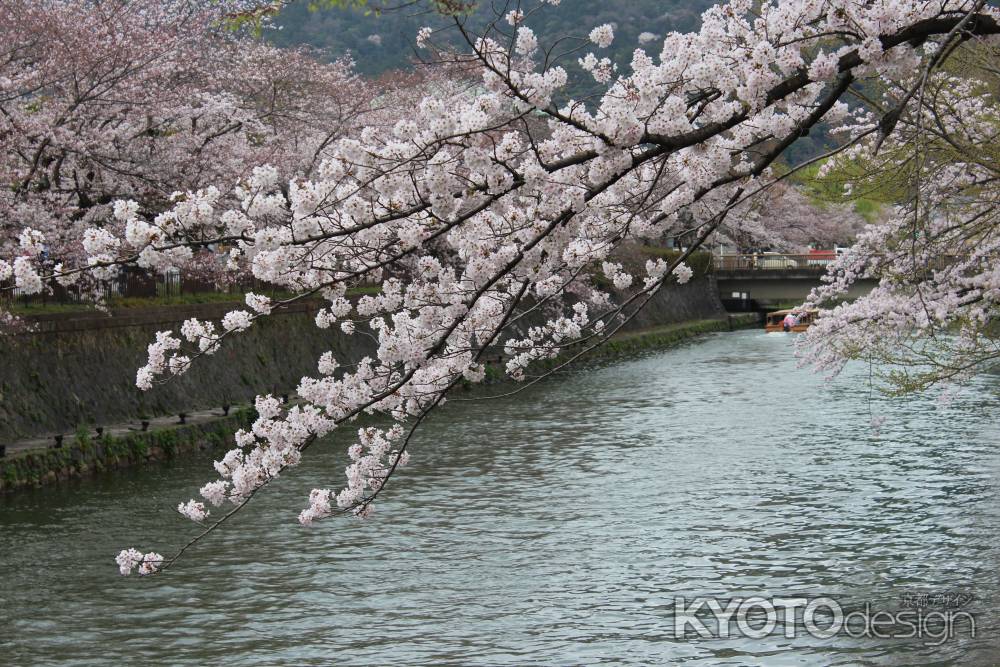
77, 370
81, 371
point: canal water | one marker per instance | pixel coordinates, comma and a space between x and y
556, 527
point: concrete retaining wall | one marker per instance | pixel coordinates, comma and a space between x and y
81, 370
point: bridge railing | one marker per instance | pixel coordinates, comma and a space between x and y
771, 261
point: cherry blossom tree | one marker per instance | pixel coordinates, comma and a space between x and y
142, 100
502, 205
788, 219
931, 319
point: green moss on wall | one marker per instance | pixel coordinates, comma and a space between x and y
84, 456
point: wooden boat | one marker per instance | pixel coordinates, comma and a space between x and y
775, 321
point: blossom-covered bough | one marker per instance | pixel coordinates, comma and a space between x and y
491, 216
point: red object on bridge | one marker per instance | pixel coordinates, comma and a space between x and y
828, 255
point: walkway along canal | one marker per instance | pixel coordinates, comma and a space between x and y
554, 527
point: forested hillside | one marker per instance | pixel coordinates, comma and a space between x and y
385, 42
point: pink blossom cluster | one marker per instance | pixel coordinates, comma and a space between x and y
130, 560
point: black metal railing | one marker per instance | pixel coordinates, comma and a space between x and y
771, 261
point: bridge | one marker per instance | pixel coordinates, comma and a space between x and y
763, 280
